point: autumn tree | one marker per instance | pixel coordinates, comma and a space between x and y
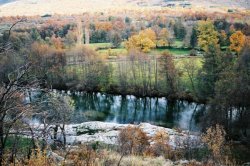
237, 41
56, 42
163, 37
70, 38
144, 41
106, 26
214, 138
13, 107
169, 73
207, 34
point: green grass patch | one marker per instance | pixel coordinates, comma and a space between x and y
113, 52
174, 51
178, 43
100, 45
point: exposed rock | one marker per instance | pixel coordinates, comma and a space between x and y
108, 132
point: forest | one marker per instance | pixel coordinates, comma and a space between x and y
180, 56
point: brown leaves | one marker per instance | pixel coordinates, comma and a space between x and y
237, 41
132, 140
214, 138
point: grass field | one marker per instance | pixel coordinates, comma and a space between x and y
178, 44
105, 49
174, 51
99, 45
159, 51
113, 52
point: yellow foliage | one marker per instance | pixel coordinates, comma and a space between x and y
39, 158
163, 37
133, 140
144, 41
161, 136
161, 146
162, 43
237, 41
214, 138
84, 156
207, 34
106, 26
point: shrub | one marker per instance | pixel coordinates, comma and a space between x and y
193, 52
84, 156
215, 140
132, 140
161, 146
39, 158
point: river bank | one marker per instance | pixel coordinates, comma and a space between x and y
107, 133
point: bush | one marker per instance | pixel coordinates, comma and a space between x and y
132, 140
193, 52
39, 158
86, 155
161, 146
214, 139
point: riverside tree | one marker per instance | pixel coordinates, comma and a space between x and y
210, 70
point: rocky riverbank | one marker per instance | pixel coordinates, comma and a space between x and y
107, 133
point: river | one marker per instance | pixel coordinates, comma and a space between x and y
129, 109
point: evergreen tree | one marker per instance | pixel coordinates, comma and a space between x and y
193, 39
210, 71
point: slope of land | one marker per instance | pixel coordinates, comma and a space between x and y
223, 3
41, 7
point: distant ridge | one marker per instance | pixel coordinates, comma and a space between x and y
227, 3
42, 7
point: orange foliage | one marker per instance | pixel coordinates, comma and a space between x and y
106, 26
237, 41
133, 140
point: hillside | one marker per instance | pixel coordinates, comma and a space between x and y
226, 3
41, 7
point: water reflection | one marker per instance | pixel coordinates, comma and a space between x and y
129, 109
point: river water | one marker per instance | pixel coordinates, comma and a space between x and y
129, 109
